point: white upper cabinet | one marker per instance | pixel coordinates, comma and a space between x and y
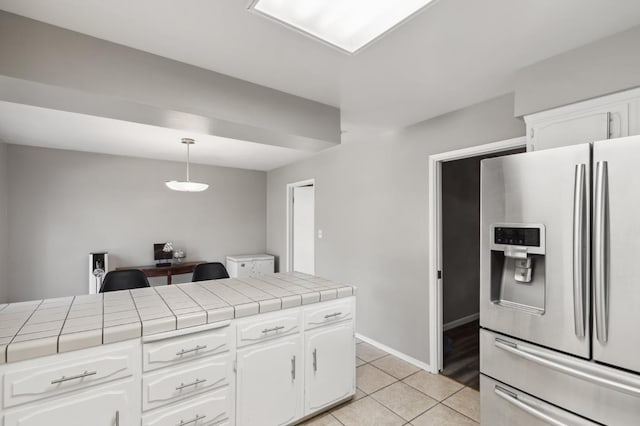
608, 117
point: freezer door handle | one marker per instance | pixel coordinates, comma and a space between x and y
512, 398
601, 252
580, 272
598, 375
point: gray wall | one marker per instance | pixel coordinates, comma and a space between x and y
43, 53
4, 223
371, 203
606, 66
65, 204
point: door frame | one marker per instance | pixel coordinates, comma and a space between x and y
435, 235
288, 264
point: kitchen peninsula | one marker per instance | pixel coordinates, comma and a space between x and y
269, 349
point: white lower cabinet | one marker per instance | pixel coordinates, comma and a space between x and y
330, 366
269, 383
288, 365
115, 405
213, 409
165, 386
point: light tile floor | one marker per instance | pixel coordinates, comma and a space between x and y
392, 392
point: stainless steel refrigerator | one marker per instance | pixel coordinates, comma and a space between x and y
560, 286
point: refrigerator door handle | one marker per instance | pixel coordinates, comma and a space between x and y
594, 374
512, 398
579, 253
600, 251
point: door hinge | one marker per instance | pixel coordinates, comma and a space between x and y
235, 365
439, 275
532, 132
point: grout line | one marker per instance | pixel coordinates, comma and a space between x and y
402, 381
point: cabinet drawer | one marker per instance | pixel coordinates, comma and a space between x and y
215, 408
103, 406
562, 380
165, 386
178, 349
502, 405
266, 327
328, 313
45, 377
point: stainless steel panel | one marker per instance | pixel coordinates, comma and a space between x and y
537, 187
594, 391
617, 247
503, 405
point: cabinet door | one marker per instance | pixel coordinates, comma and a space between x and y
103, 406
581, 128
330, 366
269, 383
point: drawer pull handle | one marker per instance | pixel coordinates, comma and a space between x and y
315, 360
186, 351
77, 376
293, 368
118, 418
269, 330
188, 422
188, 385
512, 398
333, 315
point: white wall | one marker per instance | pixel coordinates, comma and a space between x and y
4, 223
65, 204
371, 203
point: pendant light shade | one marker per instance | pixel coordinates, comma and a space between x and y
187, 186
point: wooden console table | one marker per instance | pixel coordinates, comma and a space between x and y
165, 271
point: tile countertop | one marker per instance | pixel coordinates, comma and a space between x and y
43, 327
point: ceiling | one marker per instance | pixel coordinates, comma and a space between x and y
453, 54
29, 125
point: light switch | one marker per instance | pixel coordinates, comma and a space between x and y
319, 234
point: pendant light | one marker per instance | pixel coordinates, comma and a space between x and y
187, 186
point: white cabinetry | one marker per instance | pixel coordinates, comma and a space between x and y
294, 363
102, 406
95, 386
269, 383
608, 117
189, 376
329, 372
211, 409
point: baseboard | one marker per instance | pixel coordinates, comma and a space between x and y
460, 321
394, 352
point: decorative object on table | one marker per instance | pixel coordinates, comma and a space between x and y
188, 185
163, 253
179, 255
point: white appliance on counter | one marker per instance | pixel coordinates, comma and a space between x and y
559, 286
250, 264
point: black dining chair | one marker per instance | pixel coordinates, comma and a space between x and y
209, 271
124, 279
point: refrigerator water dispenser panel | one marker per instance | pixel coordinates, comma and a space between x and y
518, 266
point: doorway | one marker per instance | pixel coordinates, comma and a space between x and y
454, 206
301, 227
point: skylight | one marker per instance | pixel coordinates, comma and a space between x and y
348, 25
